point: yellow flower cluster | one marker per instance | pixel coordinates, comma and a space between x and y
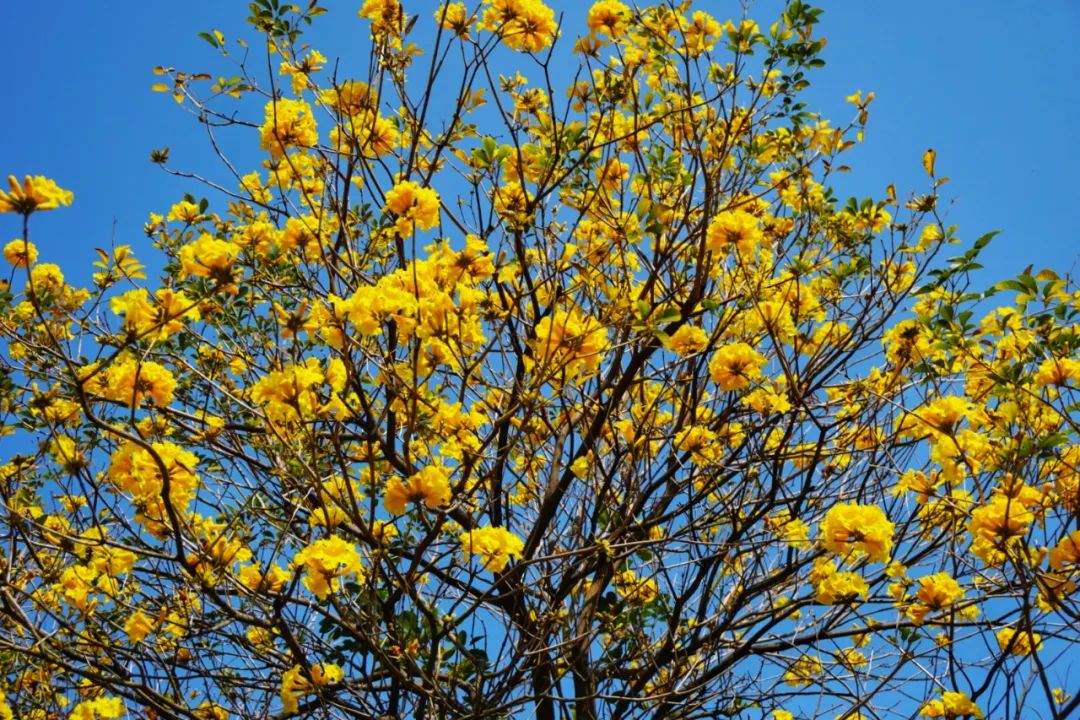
688, 340
525, 25
386, 16
735, 365
998, 525
734, 230
212, 258
1058, 371
415, 207
951, 706
454, 16
35, 193
936, 592
1018, 642
1067, 552
702, 443
851, 531
131, 382
434, 299
20, 253
431, 486
99, 574
138, 626
569, 343
288, 124
361, 131
100, 708
608, 17
804, 671
325, 562
135, 470
272, 580
295, 683
290, 396
495, 545
636, 591
158, 319
833, 586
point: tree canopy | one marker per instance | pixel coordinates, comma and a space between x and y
492, 392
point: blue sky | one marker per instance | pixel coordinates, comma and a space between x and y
989, 84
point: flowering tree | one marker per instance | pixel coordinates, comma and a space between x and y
496, 393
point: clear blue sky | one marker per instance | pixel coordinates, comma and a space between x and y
990, 84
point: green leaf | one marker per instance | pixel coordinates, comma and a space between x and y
209, 38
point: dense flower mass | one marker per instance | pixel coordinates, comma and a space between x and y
850, 529
20, 253
535, 367
295, 682
526, 25
570, 343
325, 562
495, 545
416, 207
430, 486
734, 230
735, 366
288, 124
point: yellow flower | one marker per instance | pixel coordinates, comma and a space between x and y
45, 278
1066, 552
635, 590
36, 193
608, 17
386, 17
1022, 643
138, 626
850, 529
702, 444
271, 581
702, 34
1053, 371
416, 207
496, 545
835, 587
951, 705
938, 591
736, 229
995, 525
570, 342
511, 203
20, 253
103, 708
131, 382
184, 211
288, 123
431, 486
325, 562
688, 340
210, 711
526, 25
735, 366
454, 16
295, 684
210, 258
806, 670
